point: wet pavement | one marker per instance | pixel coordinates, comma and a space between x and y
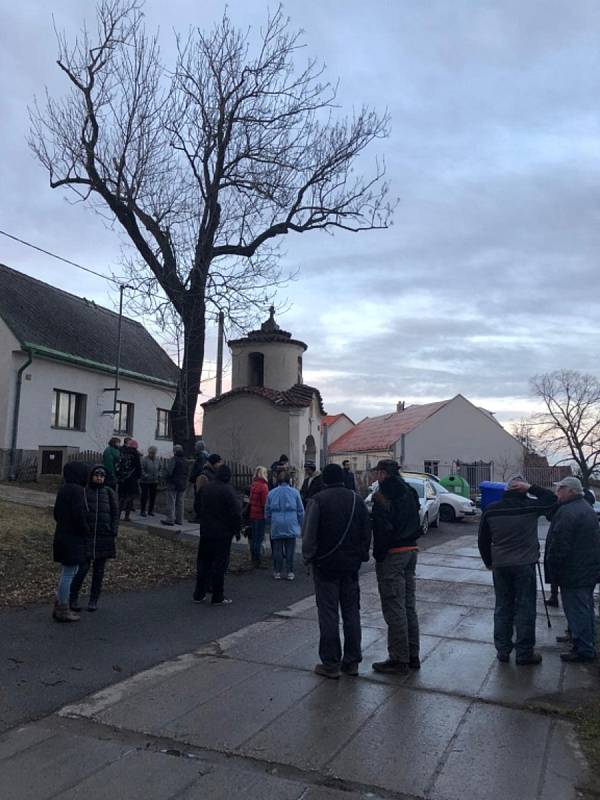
245, 715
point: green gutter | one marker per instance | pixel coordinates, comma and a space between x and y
57, 355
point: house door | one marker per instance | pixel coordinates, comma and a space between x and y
52, 462
310, 449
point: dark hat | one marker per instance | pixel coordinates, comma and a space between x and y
310, 465
387, 465
214, 458
223, 473
333, 473
283, 458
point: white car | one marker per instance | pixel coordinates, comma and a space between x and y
428, 500
453, 506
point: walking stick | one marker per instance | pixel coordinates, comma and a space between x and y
544, 594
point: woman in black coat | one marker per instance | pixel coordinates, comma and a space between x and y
103, 524
130, 472
70, 536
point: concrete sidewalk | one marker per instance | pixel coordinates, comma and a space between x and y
246, 716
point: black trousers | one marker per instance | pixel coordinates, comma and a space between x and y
97, 578
335, 592
148, 496
211, 566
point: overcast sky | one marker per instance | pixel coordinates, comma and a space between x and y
489, 273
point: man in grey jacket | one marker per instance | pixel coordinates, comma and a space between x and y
509, 546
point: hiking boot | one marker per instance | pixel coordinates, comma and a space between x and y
552, 601
349, 668
328, 672
574, 657
414, 662
199, 598
389, 666
75, 605
62, 613
503, 658
92, 605
530, 659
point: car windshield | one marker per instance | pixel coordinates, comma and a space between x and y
418, 486
439, 488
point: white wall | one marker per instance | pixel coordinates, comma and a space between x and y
280, 363
338, 428
9, 364
461, 431
43, 376
360, 461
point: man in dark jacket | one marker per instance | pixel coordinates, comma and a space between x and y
208, 474
396, 528
509, 546
177, 478
572, 560
335, 540
220, 521
312, 483
349, 482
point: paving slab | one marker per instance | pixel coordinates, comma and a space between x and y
525, 685
565, 765
457, 667
234, 781
461, 562
454, 574
309, 735
399, 747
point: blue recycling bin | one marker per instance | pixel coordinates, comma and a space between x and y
490, 492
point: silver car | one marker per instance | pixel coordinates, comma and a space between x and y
428, 500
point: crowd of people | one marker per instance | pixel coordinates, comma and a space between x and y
338, 534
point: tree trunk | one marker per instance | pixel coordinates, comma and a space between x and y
188, 387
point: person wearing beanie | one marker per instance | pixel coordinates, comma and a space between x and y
313, 482
336, 536
130, 472
509, 546
207, 475
285, 512
177, 478
572, 560
220, 521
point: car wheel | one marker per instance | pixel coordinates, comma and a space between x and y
425, 525
447, 513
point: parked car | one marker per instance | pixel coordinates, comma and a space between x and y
428, 499
453, 506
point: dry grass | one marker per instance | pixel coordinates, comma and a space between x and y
29, 575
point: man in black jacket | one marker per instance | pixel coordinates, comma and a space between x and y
396, 528
349, 481
177, 477
312, 483
335, 540
572, 560
509, 546
220, 521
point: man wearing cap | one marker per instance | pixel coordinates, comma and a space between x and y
509, 546
313, 482
336, 536
396, 528
572, 560
208, 474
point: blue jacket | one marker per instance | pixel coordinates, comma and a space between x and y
285, 512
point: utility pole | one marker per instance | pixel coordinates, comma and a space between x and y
221, 334
115, 389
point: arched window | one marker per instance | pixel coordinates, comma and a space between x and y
256, 369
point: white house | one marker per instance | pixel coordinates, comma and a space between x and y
441, 438
269, 411
57, 376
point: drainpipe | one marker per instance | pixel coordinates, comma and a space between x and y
12, 471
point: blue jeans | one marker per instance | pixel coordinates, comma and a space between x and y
578, 605
64, 583
283, 548
516, 594
256, 537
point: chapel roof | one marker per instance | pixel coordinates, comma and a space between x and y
298, 396
269, 332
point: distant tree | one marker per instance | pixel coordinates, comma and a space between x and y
524, 431
571, 422
206, 165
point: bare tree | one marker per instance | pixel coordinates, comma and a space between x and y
206, 166
524, 431
570, 425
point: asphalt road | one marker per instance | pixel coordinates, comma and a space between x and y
44, 666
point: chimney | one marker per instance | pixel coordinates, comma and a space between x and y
400, 405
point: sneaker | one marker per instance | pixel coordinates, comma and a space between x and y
392, 667
414, 662
290, 576
530, 659
576, 658
224, 602
552, 601
350, 668
327, 672
64, 614
198, 599
277, 576
504, 658
92, 605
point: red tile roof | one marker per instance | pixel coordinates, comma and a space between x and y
298, 396
380, 433
331, 418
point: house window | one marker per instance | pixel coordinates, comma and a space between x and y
163, 424
124, 418
68, 410
431, 467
